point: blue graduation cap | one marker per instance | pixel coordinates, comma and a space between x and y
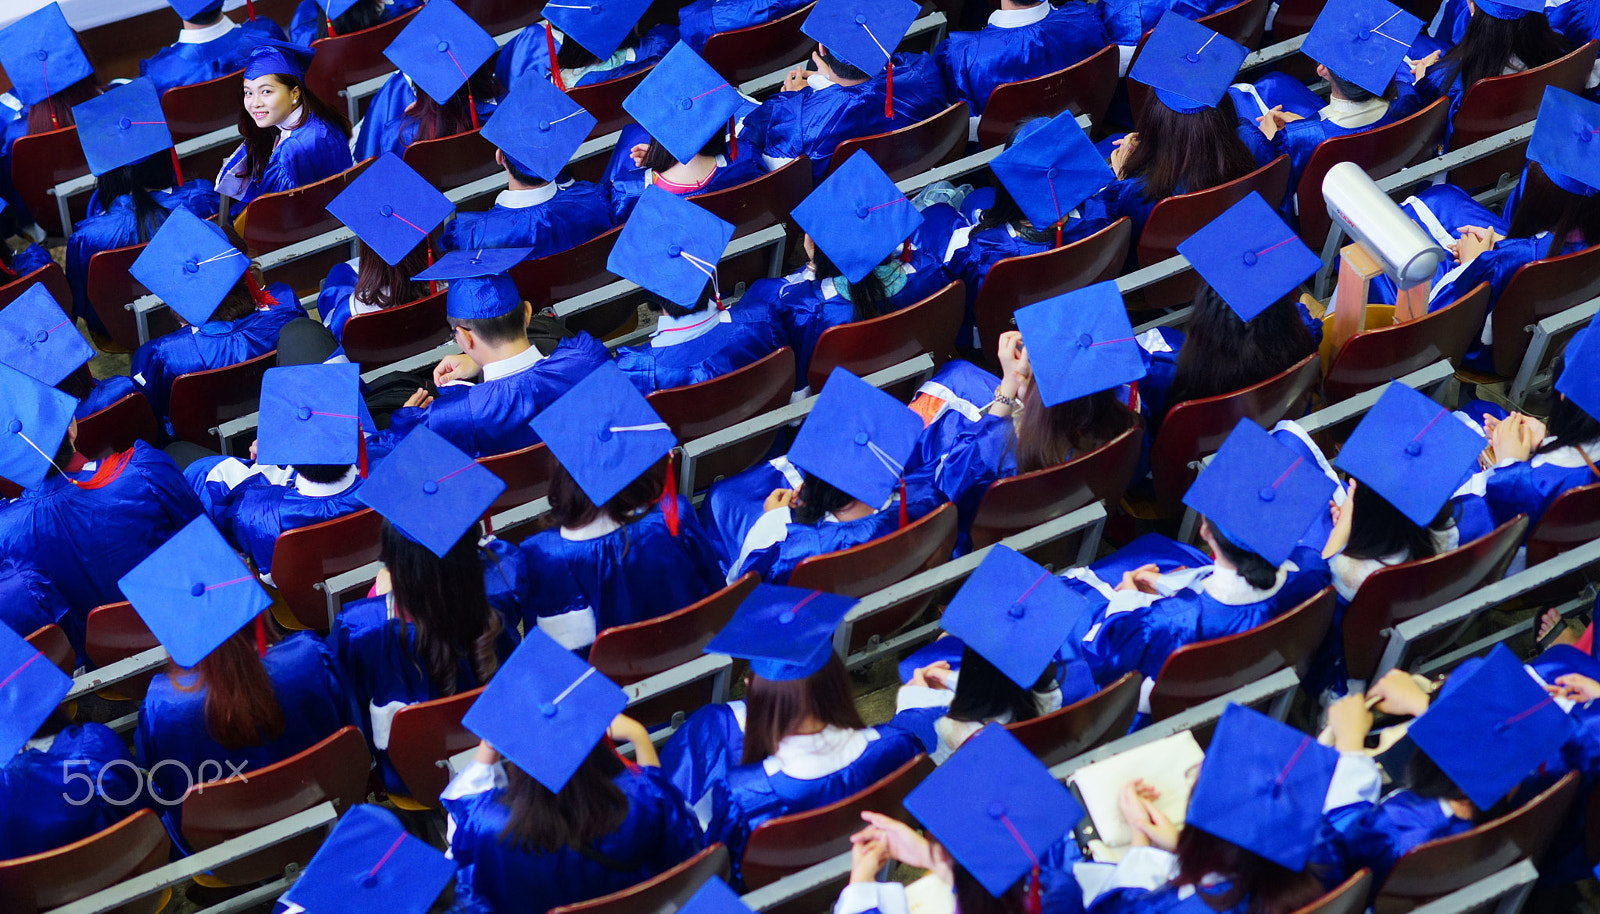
1189, 66
123, 126
1580, 376
30, 689
714, 898
1362, 41
193, 592
1084, 343
857, 439
190, 265
272, 57
1509, 9
310, 414
333, 9
1491, 727
604, 433
545, 710
858, 216
430, 491
862, 33
440, 48
479, 286
195, 10
33, 423
1249, 256
1259, 494
391, 208
41, 55
1262, 787
1050, 169
538, 128
1014, 612
995, 808
671, 247
786, 633
1412, 452
38, 339
370, 863
1565, 143
599, 25
683, 103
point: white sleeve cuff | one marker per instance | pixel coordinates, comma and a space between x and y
1355, 780
860, 897
1124, 57
1147, 868
474, 779
911, 697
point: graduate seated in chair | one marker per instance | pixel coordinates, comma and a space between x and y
1023, 39
317, 19
291, 137
542, 208
1126, 21
81, 525
698, 20
850, 94
38, 339
625, 546
192, 266
1501, 37
41, 97
686, 138
671, 248
489, 393
590, 45
548, 814
210, 45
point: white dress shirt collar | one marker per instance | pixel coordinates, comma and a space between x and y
1016, 19
517, 364
210, 33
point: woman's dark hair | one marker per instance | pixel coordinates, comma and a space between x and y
237, 303
1544, 207
363, 15
444, 599
973, 898
1378, 529
983, 693
136, 181
840, 68
1182, 152
260, 141
817, 500
658, 159
1004, 212
571, 508
1487, 46
323, 473
1222, 354
61, 104
240, 707
79, 383
1569, 426
435, 119
379, 284
662, 305
774, 709
867, 297
1256, 571
572, 55
1049, 435
1426, 779
1265, 887
587, 809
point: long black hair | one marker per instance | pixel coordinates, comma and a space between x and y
1006, 212
444, 599
136, 181
818, 499
867, 297
1487, 46
1545, 207
1183, 152
1378, 529
983, 693
1257, 571
1222, 354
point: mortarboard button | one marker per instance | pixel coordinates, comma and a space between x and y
124, 123
685, 103
14, 426
997, 809
191, 266
544, 126
882, 217
1085, 341
304, 413
444, 45
861, 438
603, 434
785, 617
604, 449
1017, 611
386, 210
41, 54
1413, 448
1268, 494
1250, 258
861, 212
861, 19
1192, 57
548, 709
197, 589
430, 488
674, 250
1364, 35
41, 336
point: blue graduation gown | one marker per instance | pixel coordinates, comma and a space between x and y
776, 562
333, 301
491, 417
313, 151
25, 261
974, 63
104, 393
701, 19
85, 534
114, 226
172, 722
28, 601
734, 504
624, 182
813, 123
742, 334
576, 213
1377, 835
1126, 20
702, 751
494, 877
214, 344
254, 513
386, 128
1522, 488
83, 783
638, 571
961, 453
1301, 138
180, 64
1162, 900
527, 55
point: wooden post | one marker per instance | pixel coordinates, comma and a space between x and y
1357, 268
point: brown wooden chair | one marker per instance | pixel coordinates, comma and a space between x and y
525, 472
639, 650
110, 287
1083, 725
874, 565
500, 16
912, 149
130, 848
696, 410
762, 203
380, 338
1572, 520
1498, 103
344, 60
1199, 672
1393, 594
1372, 358
604, 101
52, 642
1174, 219
422, 737
116, 427
1536, 291
863, 347
1441, 866
202, 400
745, 54
277, 220
40, 161
303, 558
1195, 428
1017, 281
1086, 87
1348, 897
54, 279
570, 273
116, 632
452, 161
791, 843
201, 108
1381, 152
334, 769
664, 893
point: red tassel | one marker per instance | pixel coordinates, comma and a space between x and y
1133, 396
1031, 904
472, 106
903, 519
331, 32
250, 9
261, 637
433, 287
1058, 234
361, 453
905, 252
177, 170
669, 497
550, 47
627, 763
733, 139
258, 294
888, 95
